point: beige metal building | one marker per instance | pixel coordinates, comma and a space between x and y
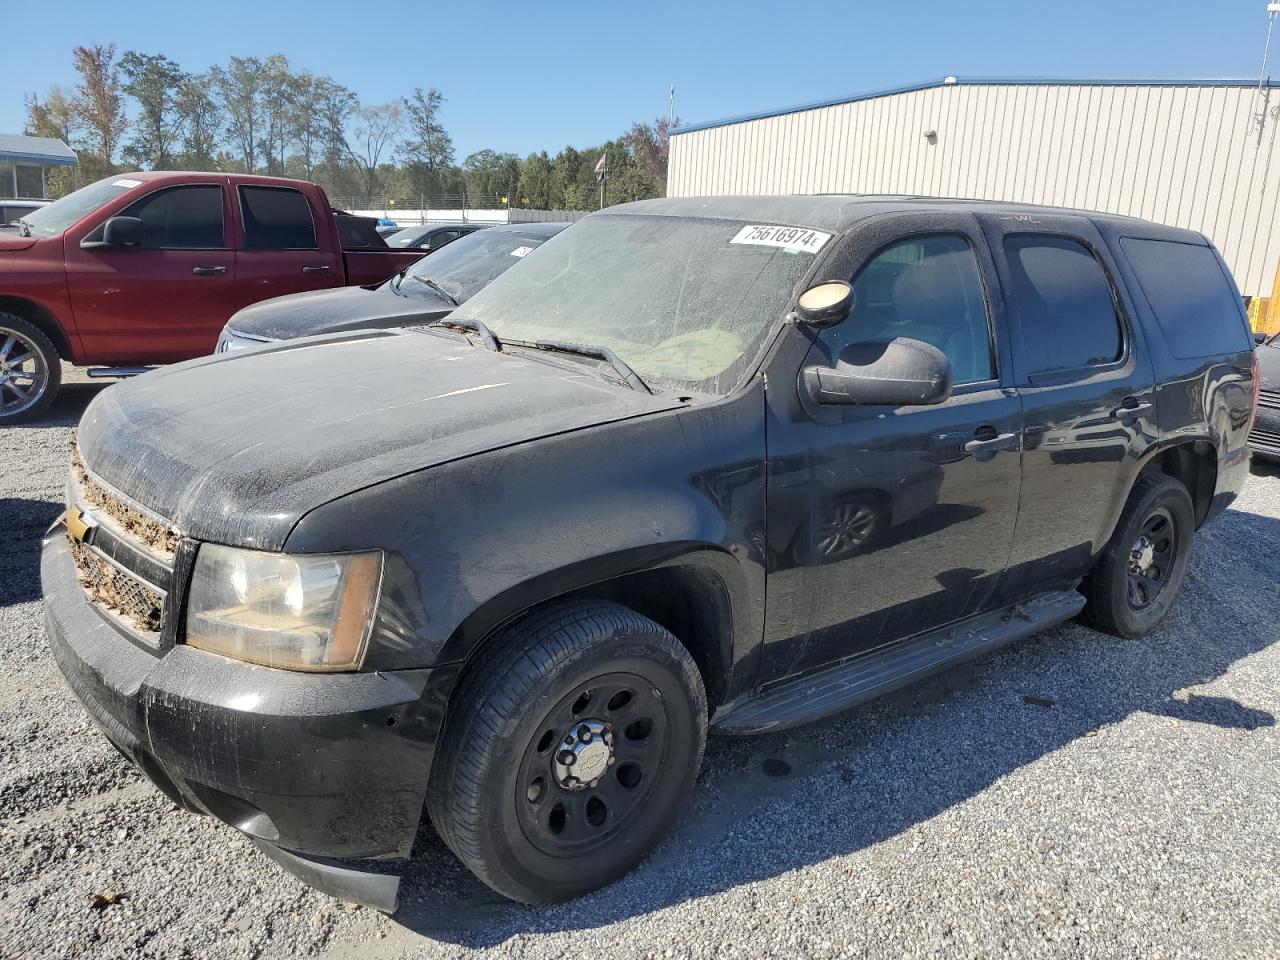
1193, 153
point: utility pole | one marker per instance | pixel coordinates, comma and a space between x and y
1260, 118
671, 105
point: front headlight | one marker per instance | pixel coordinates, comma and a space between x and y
296, 612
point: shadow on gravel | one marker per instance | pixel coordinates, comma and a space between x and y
22, 524
67, 407
772, 804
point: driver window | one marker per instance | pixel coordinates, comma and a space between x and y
927, 288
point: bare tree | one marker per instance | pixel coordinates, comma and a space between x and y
375, 129
98, 102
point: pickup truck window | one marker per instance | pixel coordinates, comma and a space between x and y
58, 216
1190, 296
683, 301
276, 218
181, 218
928, 288
1065, 304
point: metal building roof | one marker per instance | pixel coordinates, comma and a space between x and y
984, 81
45, 151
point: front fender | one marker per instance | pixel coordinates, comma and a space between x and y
471, 544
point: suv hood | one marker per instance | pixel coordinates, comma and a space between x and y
237, 448
332, 311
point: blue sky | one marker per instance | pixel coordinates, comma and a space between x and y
531, 76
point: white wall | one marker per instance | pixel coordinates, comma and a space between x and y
1177, 154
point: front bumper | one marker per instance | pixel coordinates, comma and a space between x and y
1264, 438
327, 766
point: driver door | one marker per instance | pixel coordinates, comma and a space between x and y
885, 523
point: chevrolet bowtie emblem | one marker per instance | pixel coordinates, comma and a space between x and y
78, 526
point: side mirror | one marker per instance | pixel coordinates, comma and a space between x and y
1259, 338
897, 373
824, 304
123, 232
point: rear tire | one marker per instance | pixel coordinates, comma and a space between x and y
1137, 577
30, 369
570, 752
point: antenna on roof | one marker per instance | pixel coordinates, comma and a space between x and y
1259, 119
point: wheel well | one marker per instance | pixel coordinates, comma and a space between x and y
39, 317
1195, 465
691, 602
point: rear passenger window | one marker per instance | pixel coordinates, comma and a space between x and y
180, 218
276, 218
1190, 296
1064, 304
930, 289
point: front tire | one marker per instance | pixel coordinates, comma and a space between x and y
30, 369
570, 753
1138, 575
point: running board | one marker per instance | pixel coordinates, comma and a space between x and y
877, 672
118, 371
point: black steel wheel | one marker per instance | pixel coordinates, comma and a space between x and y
30, 369
1138, 574
570, 751
1151, 558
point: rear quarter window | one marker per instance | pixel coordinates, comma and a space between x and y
1189, 294
276, 218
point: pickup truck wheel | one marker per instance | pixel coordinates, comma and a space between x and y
572, 749
1138, 575
30, 370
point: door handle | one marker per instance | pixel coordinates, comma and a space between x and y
318, 268
208, 271
986, 440
1130, 408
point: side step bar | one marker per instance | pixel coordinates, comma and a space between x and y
118, 371
877, 672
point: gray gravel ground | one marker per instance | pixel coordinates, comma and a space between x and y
1135, 817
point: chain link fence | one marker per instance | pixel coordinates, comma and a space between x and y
468, 208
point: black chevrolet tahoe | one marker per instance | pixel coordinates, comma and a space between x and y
704, 465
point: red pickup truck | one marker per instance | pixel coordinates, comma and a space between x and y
145, 268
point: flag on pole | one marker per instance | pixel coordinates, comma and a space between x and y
600, 168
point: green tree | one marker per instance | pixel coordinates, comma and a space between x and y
238, 87
200, 121
428, 151
156, 83
54, 117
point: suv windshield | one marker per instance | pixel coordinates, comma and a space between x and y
56, 217
465, 266
683, 301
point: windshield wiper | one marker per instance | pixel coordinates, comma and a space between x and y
478, 326
599, 353
436, 287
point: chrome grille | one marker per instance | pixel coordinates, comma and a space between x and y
146, 530
124, 555
1269, 398
133, 601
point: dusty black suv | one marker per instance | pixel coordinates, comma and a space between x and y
701, 465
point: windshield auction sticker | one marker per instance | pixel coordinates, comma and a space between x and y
789, 238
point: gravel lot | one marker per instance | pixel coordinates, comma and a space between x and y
1135, 816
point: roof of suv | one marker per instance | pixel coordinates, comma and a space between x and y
838, 212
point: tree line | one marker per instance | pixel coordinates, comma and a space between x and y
260, 115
